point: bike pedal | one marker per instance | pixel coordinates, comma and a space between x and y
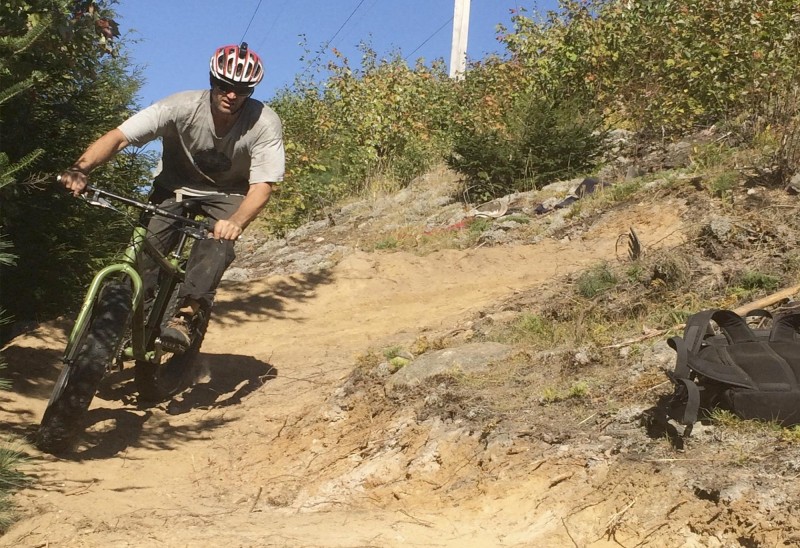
169, 346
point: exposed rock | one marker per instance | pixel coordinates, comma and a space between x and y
469, 358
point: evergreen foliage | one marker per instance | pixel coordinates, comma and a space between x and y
10, 479
64, 82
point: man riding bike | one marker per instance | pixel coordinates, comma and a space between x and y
222, 154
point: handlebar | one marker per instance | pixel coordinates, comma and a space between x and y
99, 197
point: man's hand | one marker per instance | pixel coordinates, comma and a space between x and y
74, 180
227, 230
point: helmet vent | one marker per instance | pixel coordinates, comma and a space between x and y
237, 65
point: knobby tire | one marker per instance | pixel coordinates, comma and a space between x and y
78, 382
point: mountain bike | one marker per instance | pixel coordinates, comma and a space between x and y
117, 322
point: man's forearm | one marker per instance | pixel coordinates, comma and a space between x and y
255, 200
101, 151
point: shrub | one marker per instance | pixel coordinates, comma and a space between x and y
668, 66
596, 280
384, 121
536, 141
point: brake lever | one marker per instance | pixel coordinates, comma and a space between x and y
96, 200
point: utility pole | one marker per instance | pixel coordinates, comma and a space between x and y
458, 53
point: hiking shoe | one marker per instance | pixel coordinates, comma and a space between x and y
176, 333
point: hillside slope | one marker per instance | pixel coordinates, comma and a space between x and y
297, 436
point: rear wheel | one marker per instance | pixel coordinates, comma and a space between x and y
76, 385
156, 382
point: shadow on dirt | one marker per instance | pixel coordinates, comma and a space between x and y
23, 425
226, 379
656, 421
276, 302
31, 371
222, 380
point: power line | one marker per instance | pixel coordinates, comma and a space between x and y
364, 13
272, 26
251, 21
332, 38
428, 39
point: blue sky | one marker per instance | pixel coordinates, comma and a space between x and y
172, 40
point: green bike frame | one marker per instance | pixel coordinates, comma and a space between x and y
143, 334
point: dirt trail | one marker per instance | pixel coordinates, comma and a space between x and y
230, 462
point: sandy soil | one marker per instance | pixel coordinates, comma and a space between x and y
263, 452
258, 455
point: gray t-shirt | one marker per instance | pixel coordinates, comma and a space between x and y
195, 159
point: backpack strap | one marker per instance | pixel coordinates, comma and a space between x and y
785, 328
758, 313
697, 328
761, 313
681, 376
733, 326
690, 403
682, 360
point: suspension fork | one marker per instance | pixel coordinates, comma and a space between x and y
127, 268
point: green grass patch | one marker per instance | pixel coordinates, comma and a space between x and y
709, 156
621, 192
389, 242
596, 280
479, 226
391, 352
723, 184
752, 281
577, 390
747, 284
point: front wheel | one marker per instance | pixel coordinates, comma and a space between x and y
156, 383
79, 380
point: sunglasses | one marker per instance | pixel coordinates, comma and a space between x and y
226, 88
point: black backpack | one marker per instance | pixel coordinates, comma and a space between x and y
754, 373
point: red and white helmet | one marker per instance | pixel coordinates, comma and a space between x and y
237, 65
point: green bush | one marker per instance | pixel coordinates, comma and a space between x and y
82, 86
537, 141
673, 65
382, 122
